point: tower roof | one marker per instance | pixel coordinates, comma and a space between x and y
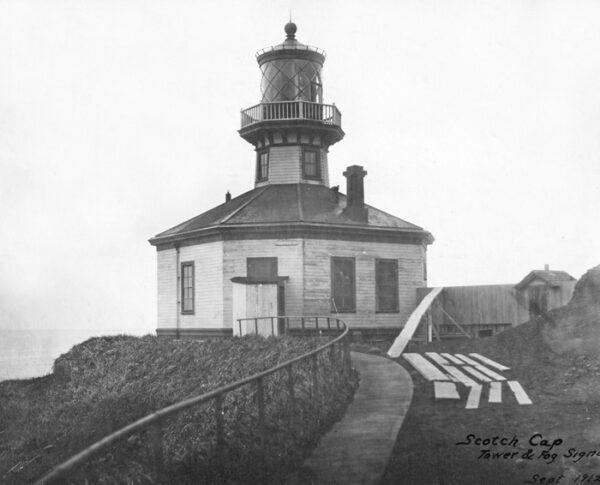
290, 47
293, 208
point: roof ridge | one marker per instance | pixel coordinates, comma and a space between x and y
229, 216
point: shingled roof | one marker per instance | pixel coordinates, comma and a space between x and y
285, 204
552, 278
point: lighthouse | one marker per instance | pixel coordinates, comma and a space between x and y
291, 245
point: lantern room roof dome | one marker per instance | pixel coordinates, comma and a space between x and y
290, 47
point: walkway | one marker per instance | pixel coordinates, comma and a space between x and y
357, 448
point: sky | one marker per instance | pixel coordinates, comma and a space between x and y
477, 120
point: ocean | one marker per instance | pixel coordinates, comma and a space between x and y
31, 353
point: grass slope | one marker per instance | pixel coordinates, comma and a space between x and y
106, 383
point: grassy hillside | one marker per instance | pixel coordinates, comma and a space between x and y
557, 360
106, 383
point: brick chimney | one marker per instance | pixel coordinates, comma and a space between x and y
355, 193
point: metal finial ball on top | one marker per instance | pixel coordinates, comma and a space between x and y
290, 30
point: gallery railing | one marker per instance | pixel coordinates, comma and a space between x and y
292, 110
337, 351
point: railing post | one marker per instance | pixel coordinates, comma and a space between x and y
292, 405
272, 327
240, 323
256, 326
260, 401
220, 431
156, 442
332, 356
347, 363
328, 323
300, 109
315, 378
317, 322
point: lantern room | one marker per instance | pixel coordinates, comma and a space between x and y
291, 71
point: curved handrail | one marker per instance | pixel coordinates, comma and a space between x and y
80, 458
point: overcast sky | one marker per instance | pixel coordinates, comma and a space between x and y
478, 120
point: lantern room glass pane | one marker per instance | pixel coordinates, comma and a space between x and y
290, 80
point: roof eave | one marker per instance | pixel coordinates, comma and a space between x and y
269, 228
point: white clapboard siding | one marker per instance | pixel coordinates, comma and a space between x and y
489, 362
475, 373
454, 372
289, 263
437, 358
425, 368
474, 397
445, 390
519, 392
495, 392
317, 279
452, 359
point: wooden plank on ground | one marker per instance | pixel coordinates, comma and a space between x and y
476, 373
474, 396
454, 372
445, 390
495, 392
437, 358
413, 322
452, 359
519, 392
425, 368
489, 362
466, 359
489, 372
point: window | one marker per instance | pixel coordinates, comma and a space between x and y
262, 166
261, 269
310, 164
187, 287
342, 285
386, 285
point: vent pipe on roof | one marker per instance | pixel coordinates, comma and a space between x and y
355, 193
227, 196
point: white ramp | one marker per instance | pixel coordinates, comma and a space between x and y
426, 368
413, 322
